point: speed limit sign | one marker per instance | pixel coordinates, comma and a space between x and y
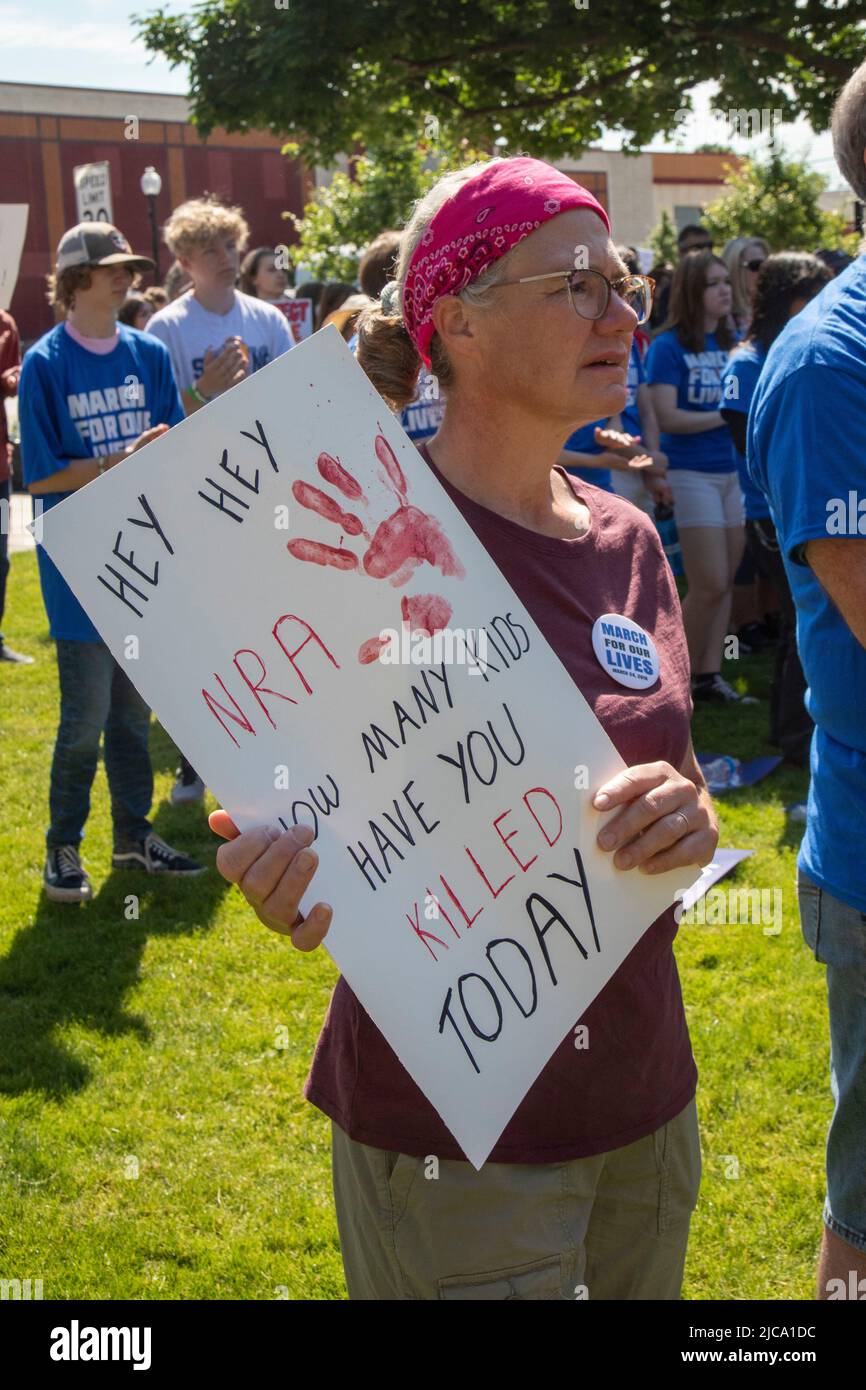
93, 192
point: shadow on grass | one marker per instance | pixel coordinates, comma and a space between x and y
77, 962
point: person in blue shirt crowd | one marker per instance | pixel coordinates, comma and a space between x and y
625, 457
684, 368
584, 456
92, 392
807, 450
602, 451
646, 487
786, 284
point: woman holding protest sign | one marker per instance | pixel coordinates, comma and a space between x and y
590, 1189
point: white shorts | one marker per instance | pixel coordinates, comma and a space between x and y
706, 499
630, 485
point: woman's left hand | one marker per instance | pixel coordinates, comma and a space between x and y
665, 820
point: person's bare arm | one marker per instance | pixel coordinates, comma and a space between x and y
675, 421
80, 471
839, 565
570, 458
76, 473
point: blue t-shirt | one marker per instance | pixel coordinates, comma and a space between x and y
635, 377
422, 417
807, 450
738, 387
583, 442
698, 379
77, 404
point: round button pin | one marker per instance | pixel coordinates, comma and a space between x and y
625, 651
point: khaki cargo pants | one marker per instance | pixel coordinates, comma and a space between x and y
614, 1226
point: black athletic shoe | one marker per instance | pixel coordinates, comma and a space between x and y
64, 879
155, 857
718, 692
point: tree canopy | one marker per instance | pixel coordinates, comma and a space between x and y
777, 199
538, 76
345, 215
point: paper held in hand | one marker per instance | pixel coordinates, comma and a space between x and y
243, 570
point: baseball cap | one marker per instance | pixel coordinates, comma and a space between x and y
98, 243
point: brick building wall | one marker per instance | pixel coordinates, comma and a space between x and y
46, 131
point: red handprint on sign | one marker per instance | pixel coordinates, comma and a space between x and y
407, 538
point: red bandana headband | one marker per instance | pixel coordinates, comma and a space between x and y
488, 214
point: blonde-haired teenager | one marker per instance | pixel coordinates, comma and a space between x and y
215, 334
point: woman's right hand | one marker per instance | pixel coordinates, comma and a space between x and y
273, 869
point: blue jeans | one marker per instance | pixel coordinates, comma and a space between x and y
836, 934
96, 695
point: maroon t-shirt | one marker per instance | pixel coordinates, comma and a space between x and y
637, 1071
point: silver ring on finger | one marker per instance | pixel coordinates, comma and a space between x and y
679, 818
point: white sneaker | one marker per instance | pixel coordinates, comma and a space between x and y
188, 786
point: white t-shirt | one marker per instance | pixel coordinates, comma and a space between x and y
188, 331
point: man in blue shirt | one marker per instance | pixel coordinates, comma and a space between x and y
91, 393
807, 450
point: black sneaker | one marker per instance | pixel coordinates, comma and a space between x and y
156, 857
64, 879
718, 692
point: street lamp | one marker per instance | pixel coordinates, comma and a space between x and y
151, 185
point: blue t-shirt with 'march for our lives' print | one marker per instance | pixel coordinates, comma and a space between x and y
738, 387
77, 404
807, 450
635, 377
697, 377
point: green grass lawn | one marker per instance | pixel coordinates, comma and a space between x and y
153, 1138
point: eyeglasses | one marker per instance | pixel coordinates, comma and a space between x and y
696, 246
754, 265
589, 291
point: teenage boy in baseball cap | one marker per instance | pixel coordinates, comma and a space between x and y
93, 391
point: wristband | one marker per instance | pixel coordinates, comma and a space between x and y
197, 395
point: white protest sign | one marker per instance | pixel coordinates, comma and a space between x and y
256, 553
93, 192
13, 228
